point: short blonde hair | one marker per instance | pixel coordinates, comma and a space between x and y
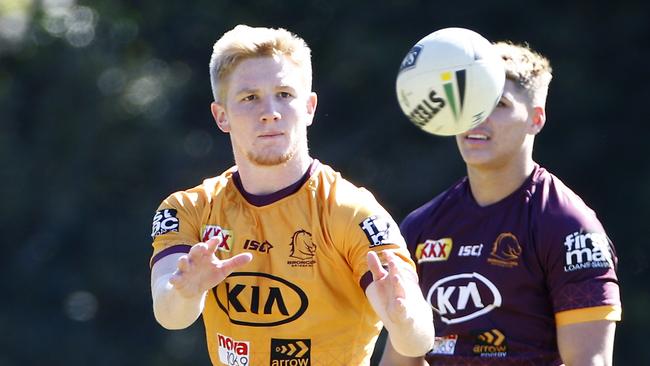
527, 68
243, 42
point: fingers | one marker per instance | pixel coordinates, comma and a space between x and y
212, 244
235, 262
374, 264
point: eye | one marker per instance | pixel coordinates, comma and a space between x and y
249, 98
285, 95
501, 104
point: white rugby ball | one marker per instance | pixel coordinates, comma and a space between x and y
450, 81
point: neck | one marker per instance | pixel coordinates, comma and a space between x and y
260, 180
492, 184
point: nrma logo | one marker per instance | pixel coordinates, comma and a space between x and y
462, 297
454, 84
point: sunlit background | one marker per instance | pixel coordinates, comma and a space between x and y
104, 110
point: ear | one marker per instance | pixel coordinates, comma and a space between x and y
219, 114
538, 119
312, 101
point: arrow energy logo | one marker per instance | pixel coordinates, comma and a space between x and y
290, 352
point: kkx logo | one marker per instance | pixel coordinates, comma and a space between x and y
433, 250
212, 231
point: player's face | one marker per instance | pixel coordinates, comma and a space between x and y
505, 137
267, 109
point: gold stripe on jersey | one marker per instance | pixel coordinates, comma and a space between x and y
300, 298
605, 312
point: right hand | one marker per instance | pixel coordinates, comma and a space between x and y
200, 269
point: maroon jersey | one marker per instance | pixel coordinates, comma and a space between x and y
501, 277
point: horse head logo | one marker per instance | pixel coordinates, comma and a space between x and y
302, 247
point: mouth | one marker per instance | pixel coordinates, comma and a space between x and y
268, 135
477, 137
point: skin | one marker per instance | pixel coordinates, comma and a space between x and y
498, 154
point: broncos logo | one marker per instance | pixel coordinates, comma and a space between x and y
302, 247
505, 251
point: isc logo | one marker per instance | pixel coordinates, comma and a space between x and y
433, 250
233, 352
260, 299
462, 297
264, 247
212, 231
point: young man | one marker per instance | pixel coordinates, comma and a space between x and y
518, 269
280, 254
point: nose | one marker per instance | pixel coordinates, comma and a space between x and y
270, 112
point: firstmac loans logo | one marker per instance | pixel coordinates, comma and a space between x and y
455, 95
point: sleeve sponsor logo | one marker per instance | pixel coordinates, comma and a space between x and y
463, 297
444, 345
164, 221
506, 251
491, 343
433, 250
233, 352
377, 230
258, 299
587, 250
212, 231
290, 352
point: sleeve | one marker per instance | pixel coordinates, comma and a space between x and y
175, 226
370, 227
580, 264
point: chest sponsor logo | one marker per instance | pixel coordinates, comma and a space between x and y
263, 247
377, 230
433, 250
491, 343
302, 250
463, 297
444, 345
506, 251
587, 250
164, 221
233, 352
212, 231
470, 250
260, 299
290, 352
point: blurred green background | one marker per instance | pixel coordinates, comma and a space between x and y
104, 110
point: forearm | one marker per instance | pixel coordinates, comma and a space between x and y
414, 335
171, 309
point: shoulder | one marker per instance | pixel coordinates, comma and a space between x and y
558, 204
340, 193
201, 194
430, 209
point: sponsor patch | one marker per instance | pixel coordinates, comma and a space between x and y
212, 231
444, 345
377, 230
164, 221
470, 250
302, 250
233, 352
410, 58
263, 247
290, 352
463, 297
587, 250
258, 299
506, 251
433, 250
491, 343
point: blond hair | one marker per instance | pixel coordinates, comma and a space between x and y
243, 42
527, 68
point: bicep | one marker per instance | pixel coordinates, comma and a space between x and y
587, 343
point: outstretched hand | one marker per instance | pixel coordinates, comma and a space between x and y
392, 289
200, 269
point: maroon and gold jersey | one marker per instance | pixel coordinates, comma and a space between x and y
301, 301
502, 277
